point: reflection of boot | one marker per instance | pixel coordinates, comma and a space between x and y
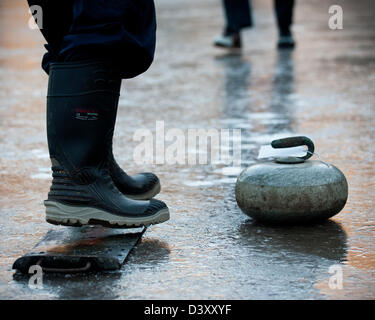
232, 40
81, 112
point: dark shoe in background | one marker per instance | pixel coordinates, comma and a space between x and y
286, 41
230, 41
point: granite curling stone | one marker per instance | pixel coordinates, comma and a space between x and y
291, 189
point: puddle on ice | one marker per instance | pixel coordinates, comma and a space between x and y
43, 174
264, 115
229, 171
197, 183
40, 153
205, 183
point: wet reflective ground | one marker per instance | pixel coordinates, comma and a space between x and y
324, 89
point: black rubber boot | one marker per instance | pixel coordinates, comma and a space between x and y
81, 112
140, 186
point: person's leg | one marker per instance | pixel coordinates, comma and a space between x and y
57, 20
284, 18
237, 16
122, 31
81, 112
284, 15
118, 30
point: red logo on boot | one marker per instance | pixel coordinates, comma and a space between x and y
86, 114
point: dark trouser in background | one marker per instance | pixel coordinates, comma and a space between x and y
238, 15
122, 31
284, 15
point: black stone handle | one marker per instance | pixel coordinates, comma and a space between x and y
295, 142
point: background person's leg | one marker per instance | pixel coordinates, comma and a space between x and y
284, 18
238, 16
284, 15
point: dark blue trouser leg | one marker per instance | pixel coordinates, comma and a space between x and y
57, 20
122, 31
284, 15
238, 15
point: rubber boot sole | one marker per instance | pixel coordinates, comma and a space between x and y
74, 216
147, 195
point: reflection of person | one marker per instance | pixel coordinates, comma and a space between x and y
282, 104
238, 16
92, 46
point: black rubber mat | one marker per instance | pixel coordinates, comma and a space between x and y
71, 250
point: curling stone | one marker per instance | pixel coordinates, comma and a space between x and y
291, 189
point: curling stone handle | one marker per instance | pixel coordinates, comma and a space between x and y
295, 142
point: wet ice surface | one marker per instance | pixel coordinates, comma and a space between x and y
209, 249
